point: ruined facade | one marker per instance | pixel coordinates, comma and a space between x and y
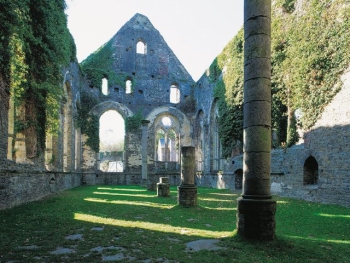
153, 85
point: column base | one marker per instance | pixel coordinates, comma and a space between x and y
256, 218
187, 195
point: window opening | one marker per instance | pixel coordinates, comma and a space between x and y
160, 139
112, 132
128, 86
104, 86
141, 48
174, 94
166, 121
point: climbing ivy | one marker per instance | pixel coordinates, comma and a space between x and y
227, 70
35, 46
310, 51
88, 122
99, 65
133, 123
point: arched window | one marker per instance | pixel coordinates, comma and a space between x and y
141, 47
238, 179
160, 146
310, 171
173, 146
112, 134
174, 94
104, 86
128, 86
215, 145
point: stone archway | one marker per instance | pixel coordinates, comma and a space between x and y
310, 171
90, 158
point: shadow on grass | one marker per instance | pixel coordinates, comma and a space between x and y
134, 222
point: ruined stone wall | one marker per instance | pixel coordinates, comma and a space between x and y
21, 183
328, 142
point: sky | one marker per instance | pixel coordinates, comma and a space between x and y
195, 30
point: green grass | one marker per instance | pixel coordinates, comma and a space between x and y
140, 227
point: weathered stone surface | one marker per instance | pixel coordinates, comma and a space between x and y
256, 218
257, 139
254, 113
187, 195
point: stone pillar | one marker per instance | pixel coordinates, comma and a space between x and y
187, 191
163, 187
256, 210
144, 141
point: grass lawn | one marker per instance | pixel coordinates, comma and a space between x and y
131, 224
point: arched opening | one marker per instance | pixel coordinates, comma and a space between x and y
128, 86
104, 86
112, 133
67, 130
238, 179
199, 136
173, 146
160, 146
310, 171
215, 145
174, 94
141, 47
167, 140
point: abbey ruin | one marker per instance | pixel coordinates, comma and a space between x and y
163, 109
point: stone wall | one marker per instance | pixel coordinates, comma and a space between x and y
329, 143
26, 185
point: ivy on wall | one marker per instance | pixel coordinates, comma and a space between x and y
88, 122
310, 51
35, 46
99, 65
133, 123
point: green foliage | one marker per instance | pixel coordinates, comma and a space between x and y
288, 5
88, 122
310, 51
35, 46
99, 65
228, 92
292, 134
133, 123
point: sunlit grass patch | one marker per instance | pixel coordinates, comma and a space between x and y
137, 223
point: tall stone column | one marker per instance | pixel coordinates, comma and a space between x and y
144, 141
256, 210
187, 191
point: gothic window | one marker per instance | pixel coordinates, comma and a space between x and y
215, 145
167, 140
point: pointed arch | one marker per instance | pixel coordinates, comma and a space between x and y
310, 171
215, 144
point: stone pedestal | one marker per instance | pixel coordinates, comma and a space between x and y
187, 191
163, 187
187, 195
256, 218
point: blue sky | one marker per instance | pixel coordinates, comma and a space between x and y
196, 30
